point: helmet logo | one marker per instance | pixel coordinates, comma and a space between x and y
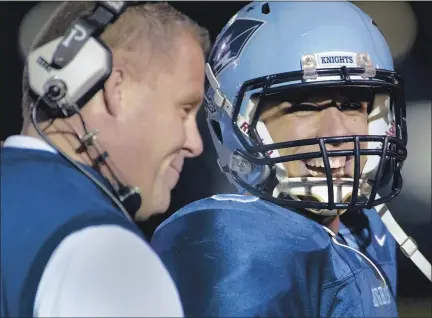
392, 129
230, 45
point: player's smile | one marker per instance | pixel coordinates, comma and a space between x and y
340, 166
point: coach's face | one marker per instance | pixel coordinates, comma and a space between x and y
315, 117
154, 127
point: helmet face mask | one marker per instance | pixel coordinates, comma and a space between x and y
256, 163
392, 151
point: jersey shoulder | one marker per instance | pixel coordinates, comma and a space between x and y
232, 214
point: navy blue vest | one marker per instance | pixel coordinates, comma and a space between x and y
43, 200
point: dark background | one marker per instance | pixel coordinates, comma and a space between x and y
414, 215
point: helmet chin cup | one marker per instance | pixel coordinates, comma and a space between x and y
315, 189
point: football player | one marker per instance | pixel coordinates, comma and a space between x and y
308, 119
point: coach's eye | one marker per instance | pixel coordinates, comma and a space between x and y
185, 110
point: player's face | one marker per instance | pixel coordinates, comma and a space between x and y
312, 118
162, 126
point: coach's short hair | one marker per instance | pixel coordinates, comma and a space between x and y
145, 31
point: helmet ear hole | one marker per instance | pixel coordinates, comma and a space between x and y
217, 129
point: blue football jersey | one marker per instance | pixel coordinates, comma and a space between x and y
240, 256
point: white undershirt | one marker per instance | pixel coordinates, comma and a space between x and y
102, 271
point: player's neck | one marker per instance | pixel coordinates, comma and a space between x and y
333, 225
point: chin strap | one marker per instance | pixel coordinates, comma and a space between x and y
407, 244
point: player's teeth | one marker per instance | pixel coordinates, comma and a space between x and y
313, 173
334, 162
337, 162
315, 162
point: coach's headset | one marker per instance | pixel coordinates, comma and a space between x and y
66, 73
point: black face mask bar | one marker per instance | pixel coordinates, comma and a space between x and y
392, 153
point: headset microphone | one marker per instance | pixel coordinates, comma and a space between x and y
130, 198
66, 72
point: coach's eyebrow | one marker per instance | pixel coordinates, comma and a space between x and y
193, 98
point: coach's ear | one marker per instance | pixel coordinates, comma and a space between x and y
113, 92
